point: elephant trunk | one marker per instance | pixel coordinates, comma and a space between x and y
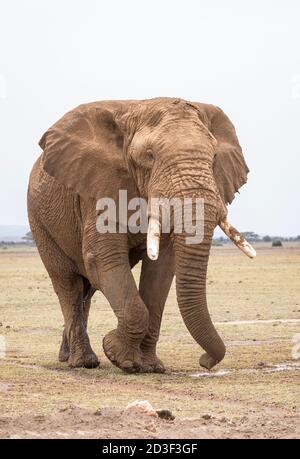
192, 257
191, 271
191, 267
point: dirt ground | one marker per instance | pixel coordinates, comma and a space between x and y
253, 393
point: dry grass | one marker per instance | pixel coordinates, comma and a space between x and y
238, 289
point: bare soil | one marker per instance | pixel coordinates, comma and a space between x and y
253, 393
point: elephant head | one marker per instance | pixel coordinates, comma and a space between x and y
172, 148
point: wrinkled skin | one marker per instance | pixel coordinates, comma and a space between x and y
161, 147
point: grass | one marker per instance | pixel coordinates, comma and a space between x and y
238, 289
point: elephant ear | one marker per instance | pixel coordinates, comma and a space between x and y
230, 168
83, 151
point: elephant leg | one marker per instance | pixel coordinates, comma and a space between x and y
155, 282
122, 345
70, 293
69, 287
64, 352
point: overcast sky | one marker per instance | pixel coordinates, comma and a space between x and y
242, 56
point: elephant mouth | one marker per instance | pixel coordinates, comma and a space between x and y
154, 233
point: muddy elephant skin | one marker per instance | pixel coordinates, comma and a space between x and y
161, 147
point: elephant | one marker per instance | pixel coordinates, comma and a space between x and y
161, 147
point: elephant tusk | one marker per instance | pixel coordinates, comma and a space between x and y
153, 238
237, 238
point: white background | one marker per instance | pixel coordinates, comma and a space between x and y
242, 56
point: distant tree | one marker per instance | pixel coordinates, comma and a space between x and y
217, 242
251, 236
276, 243
267, 238
28, 238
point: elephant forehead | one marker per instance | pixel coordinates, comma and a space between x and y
142, 138
174, 136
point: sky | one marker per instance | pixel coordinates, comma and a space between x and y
241, 56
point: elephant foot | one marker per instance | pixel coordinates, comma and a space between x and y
63, 355
152, 364
87, 359
64, 352
123, 355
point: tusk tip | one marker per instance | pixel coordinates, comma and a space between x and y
249, 250
152, 255
237, 238
153, 239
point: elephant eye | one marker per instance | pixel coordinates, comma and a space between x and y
150, 155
